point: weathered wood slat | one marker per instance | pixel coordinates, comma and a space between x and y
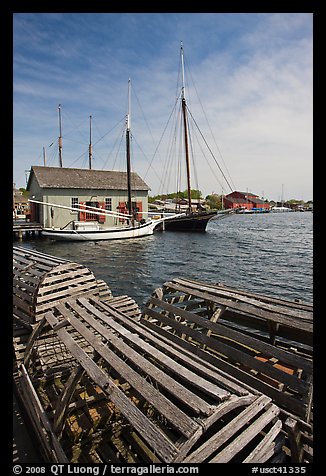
265, 449
32, 278
117, 387
42, 258
233, 353
287, 401
176, 417
196, 403
21, 304
40, 281
278, 306
221, 437
149, 432
298, 305
24, 285
237, 306
246, 436
224, 331
35, 408
188, 358
77, 285
163, 359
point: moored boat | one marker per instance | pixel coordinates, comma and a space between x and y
129, 226
192, 220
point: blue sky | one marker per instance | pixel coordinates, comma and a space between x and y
252, 73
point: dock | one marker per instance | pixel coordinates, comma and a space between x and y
203, 374
23, 229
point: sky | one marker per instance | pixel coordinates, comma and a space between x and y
248, 85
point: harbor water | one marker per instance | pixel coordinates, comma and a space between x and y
268, 253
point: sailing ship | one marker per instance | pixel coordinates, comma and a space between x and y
129, 227
194, 219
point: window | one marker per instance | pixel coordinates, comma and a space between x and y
108, 204
74, 202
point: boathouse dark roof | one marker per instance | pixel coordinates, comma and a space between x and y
257, 200
236, 199
61, 177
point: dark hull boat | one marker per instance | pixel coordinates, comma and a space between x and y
195, 222
192, 220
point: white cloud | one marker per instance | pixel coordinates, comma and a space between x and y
253, 74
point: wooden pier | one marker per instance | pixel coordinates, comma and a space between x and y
181, 381
22, 229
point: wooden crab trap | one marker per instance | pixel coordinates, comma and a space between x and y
264, 342
40, 281
100, 387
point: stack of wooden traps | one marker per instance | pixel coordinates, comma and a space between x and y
103, 382
112, 391
262, 341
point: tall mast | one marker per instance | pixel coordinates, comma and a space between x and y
60, 137
44, 157
128, 153
90, 144
184, 113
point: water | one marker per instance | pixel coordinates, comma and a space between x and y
267, 253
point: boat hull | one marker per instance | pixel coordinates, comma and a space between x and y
195, 222
114, 233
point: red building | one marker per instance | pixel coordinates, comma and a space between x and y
245, 200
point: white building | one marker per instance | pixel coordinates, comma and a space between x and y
73, 187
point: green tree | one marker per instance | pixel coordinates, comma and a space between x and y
214, 201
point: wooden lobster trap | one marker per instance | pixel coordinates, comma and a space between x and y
100, 387
41, 281
262, 341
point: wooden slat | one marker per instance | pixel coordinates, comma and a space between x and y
33, 402
221, 437
232, 353
274, 305
265, 449
182, 373
246, 436
176, 350
298, 305
158, 441
235, 335
285, 400
176, 417
242, 307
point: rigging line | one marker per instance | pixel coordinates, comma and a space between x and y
81, 155
171, 152
138, 145
192, 154
142, 111
119, 137
208, 163
76, 128
161, 138
119, 122
208, 124
210, 150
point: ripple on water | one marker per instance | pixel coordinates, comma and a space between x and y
268, 253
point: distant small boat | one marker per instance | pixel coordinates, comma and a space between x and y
281, 209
